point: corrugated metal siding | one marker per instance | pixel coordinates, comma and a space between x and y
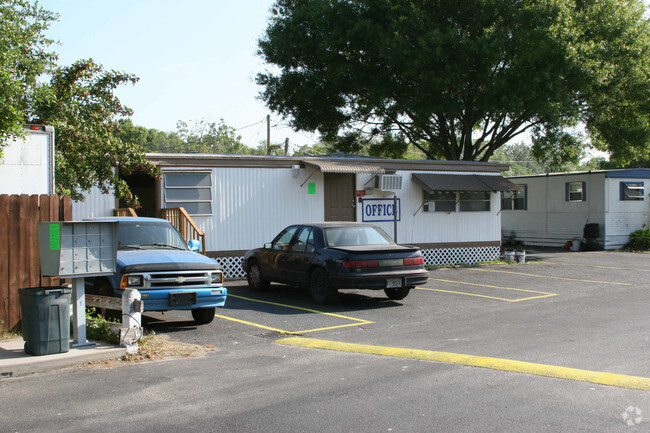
437, 227
96, 205
550, 220
252, 205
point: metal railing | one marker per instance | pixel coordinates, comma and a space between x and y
185, 225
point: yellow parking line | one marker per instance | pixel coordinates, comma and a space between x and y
258, 325
611, 379
542, 294
615, 268
551, 277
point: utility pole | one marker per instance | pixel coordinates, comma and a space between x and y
286, 146
268, 134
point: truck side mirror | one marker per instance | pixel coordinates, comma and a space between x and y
194, 245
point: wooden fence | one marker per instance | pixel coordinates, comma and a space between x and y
19, 256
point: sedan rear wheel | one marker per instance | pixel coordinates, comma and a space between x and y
256, 281
397, 293
321, 289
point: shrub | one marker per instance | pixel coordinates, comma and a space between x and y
98, 328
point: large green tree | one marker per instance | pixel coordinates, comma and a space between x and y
79, 102
24, 57
459, 79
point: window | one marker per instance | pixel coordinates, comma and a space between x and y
190, 190
447, 201
474, 201
281, 241
632, 191
440, 201
515, 200
304, 241
576, 191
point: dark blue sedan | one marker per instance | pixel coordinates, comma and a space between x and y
326, 257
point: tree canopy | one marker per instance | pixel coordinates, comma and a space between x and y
78, 100
458, 80
24, 57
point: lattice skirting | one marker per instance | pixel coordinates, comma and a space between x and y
461, 256
444, 256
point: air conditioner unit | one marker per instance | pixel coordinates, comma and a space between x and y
388, 182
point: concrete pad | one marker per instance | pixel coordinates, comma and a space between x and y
15, 362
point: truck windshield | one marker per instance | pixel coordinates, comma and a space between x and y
149, 234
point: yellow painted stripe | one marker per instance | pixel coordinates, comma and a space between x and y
594, 266
611, 379
552, 277
356, 321
257, 325
542, 294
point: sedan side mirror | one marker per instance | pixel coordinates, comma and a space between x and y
267, 246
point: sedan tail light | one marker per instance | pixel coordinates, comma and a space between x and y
414, 261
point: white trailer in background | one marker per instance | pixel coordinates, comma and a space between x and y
27, 162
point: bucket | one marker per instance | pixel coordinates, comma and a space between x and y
575, 246
509, 256
520, 256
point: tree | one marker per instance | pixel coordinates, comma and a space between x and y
80, 104
148, 139
458, 80
24, 57
210, 137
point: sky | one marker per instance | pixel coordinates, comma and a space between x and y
196, 59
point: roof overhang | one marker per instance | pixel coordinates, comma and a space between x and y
432, 182
338, 166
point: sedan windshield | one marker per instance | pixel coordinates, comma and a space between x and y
139, 235
356, 235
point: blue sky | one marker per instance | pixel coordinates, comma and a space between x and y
195, 59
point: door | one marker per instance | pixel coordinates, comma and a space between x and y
339, 197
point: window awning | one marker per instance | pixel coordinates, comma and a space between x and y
343, 167
431, 182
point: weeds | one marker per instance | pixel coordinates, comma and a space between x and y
98, 328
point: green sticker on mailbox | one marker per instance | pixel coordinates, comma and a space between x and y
312, 187
55, 237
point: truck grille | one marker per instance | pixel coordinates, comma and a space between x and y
178, 279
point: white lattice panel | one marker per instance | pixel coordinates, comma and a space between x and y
457, 256
232, 268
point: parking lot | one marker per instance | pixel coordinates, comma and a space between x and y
558, 344
580, 310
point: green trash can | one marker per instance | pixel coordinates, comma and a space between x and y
45, 319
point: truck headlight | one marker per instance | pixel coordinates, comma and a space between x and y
216, 278
131, 281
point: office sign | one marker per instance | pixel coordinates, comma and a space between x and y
380, 210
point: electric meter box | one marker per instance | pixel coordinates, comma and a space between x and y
77, 249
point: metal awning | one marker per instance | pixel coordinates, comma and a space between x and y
326, 166
431, 182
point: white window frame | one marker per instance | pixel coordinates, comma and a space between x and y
184, 202
582, 191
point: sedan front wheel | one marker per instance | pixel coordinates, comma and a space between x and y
256, 280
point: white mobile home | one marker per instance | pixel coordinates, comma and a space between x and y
552, 209
450, 209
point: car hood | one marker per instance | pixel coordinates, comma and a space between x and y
162, 260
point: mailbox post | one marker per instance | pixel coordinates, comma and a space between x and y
78, 249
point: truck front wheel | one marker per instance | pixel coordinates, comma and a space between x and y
203, 316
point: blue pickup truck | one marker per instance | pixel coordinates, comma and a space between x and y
153, 258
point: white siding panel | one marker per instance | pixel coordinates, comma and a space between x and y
252, 205
417, 226
95, 205
623, 216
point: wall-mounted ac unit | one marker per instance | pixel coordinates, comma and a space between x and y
388, 182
